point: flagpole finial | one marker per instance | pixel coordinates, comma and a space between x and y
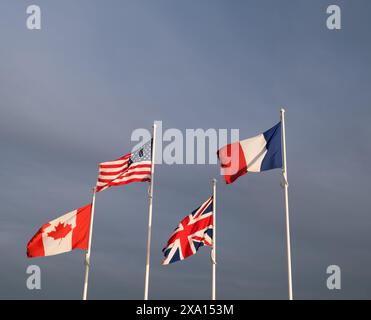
283, 110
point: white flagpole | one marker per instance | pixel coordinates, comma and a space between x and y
213, 251
285, 186
87, 255
146, 278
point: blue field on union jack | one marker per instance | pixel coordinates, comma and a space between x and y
195, 231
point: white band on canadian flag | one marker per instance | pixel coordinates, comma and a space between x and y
57, 244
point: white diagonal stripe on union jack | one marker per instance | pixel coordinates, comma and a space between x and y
195, 231
132, 167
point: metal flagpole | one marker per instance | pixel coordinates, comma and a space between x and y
146, 278
213, 251
285, 186
87, 255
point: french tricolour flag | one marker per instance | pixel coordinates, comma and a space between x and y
256, 154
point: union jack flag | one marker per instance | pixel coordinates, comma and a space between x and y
195, 231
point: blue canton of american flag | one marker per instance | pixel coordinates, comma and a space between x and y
142, 154
132, 167
195, 231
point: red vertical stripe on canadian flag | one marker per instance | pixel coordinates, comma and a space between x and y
35, 246
80, 234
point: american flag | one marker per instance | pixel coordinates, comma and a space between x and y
133, 167
195, 231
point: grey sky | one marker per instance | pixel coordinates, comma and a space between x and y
72, 93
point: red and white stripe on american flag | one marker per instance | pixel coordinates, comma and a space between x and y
122, 171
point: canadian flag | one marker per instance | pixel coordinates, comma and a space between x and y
66, 233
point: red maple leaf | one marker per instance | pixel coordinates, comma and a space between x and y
60, 231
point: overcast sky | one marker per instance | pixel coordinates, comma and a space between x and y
72, 93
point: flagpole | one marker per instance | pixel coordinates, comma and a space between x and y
213, 252
146, 278
87, 255
285, 186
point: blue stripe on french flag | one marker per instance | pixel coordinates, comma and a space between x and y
255, 154
273, 158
